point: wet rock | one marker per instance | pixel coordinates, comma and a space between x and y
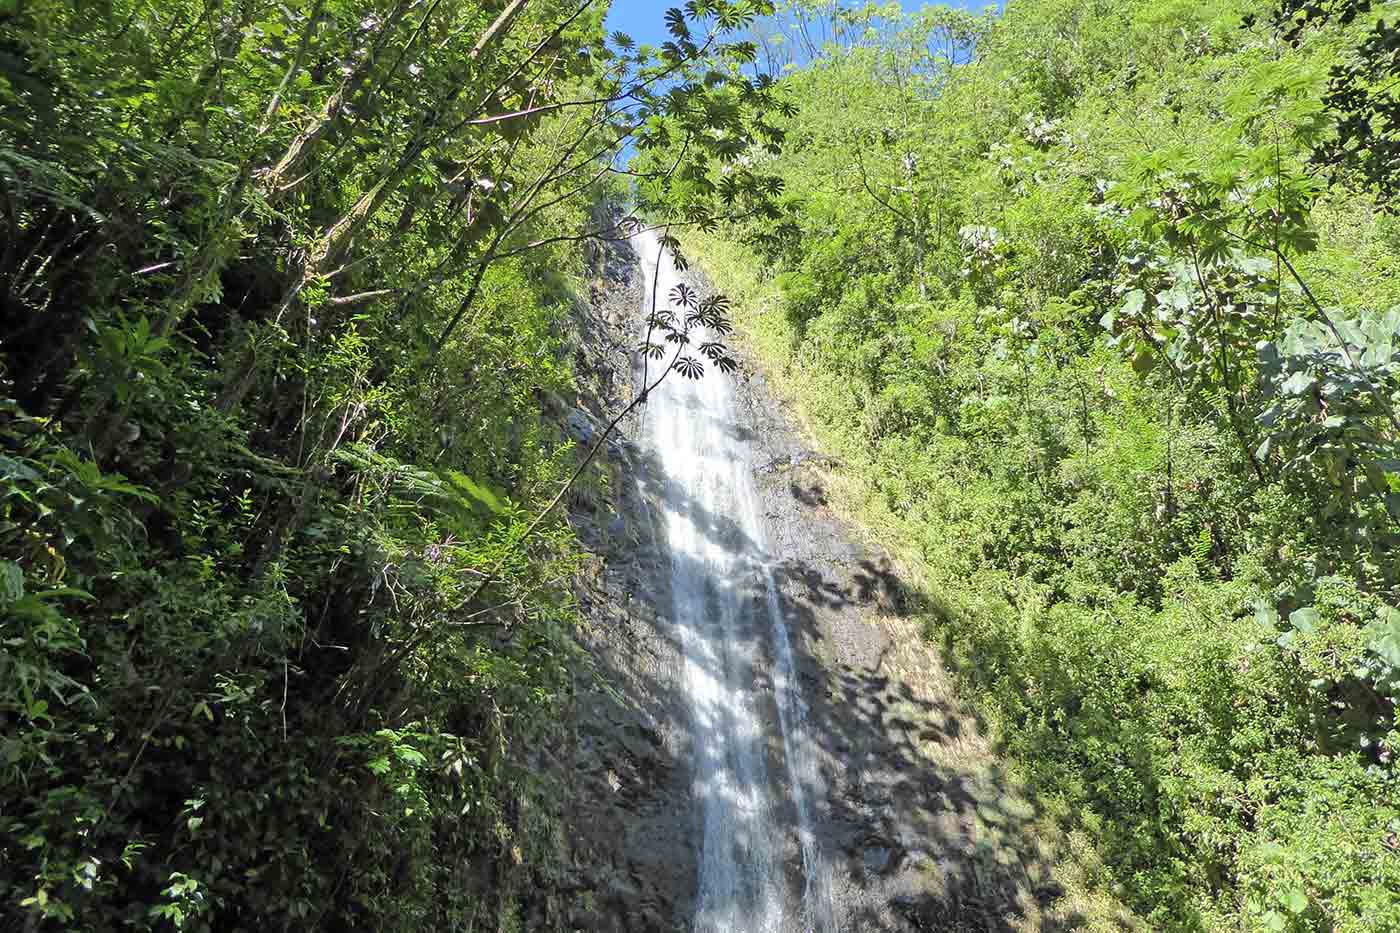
627, 821
621, 887
633, 805
794, 460
875, 795
580, 427
642, 740
877, 859
912, 909
583, 918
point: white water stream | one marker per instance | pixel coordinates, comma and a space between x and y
735, 642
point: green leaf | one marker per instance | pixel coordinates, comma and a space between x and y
11, 583
11, 469
1143, 361
1305, 620
410, 754
476, 490
1298, 383
1133, 302
1179, 296
65, 592
1386, 644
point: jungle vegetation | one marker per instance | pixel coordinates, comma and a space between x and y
286, 304
1097, 301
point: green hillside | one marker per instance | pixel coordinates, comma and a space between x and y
1097, 301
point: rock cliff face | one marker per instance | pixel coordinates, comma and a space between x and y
917, 824
630, 827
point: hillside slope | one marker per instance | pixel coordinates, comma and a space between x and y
1042, 304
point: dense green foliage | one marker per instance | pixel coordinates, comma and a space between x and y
1118, 368
1097, 299
285, 293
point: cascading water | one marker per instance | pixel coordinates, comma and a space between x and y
718, 565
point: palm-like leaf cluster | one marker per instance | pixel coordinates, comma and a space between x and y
689, 318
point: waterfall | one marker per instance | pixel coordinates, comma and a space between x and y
718, 564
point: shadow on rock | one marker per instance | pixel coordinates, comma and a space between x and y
919, 825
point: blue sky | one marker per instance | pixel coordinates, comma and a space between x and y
642, 19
